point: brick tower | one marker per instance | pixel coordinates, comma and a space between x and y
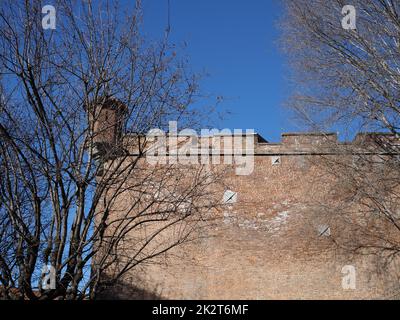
108, 118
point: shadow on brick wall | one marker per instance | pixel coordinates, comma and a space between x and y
126, 290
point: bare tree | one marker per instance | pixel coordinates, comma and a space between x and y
68, 99
346, 67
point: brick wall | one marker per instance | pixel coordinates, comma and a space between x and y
269, 242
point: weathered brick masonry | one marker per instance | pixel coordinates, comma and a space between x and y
268, 241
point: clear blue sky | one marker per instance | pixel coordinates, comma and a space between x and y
235, 41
